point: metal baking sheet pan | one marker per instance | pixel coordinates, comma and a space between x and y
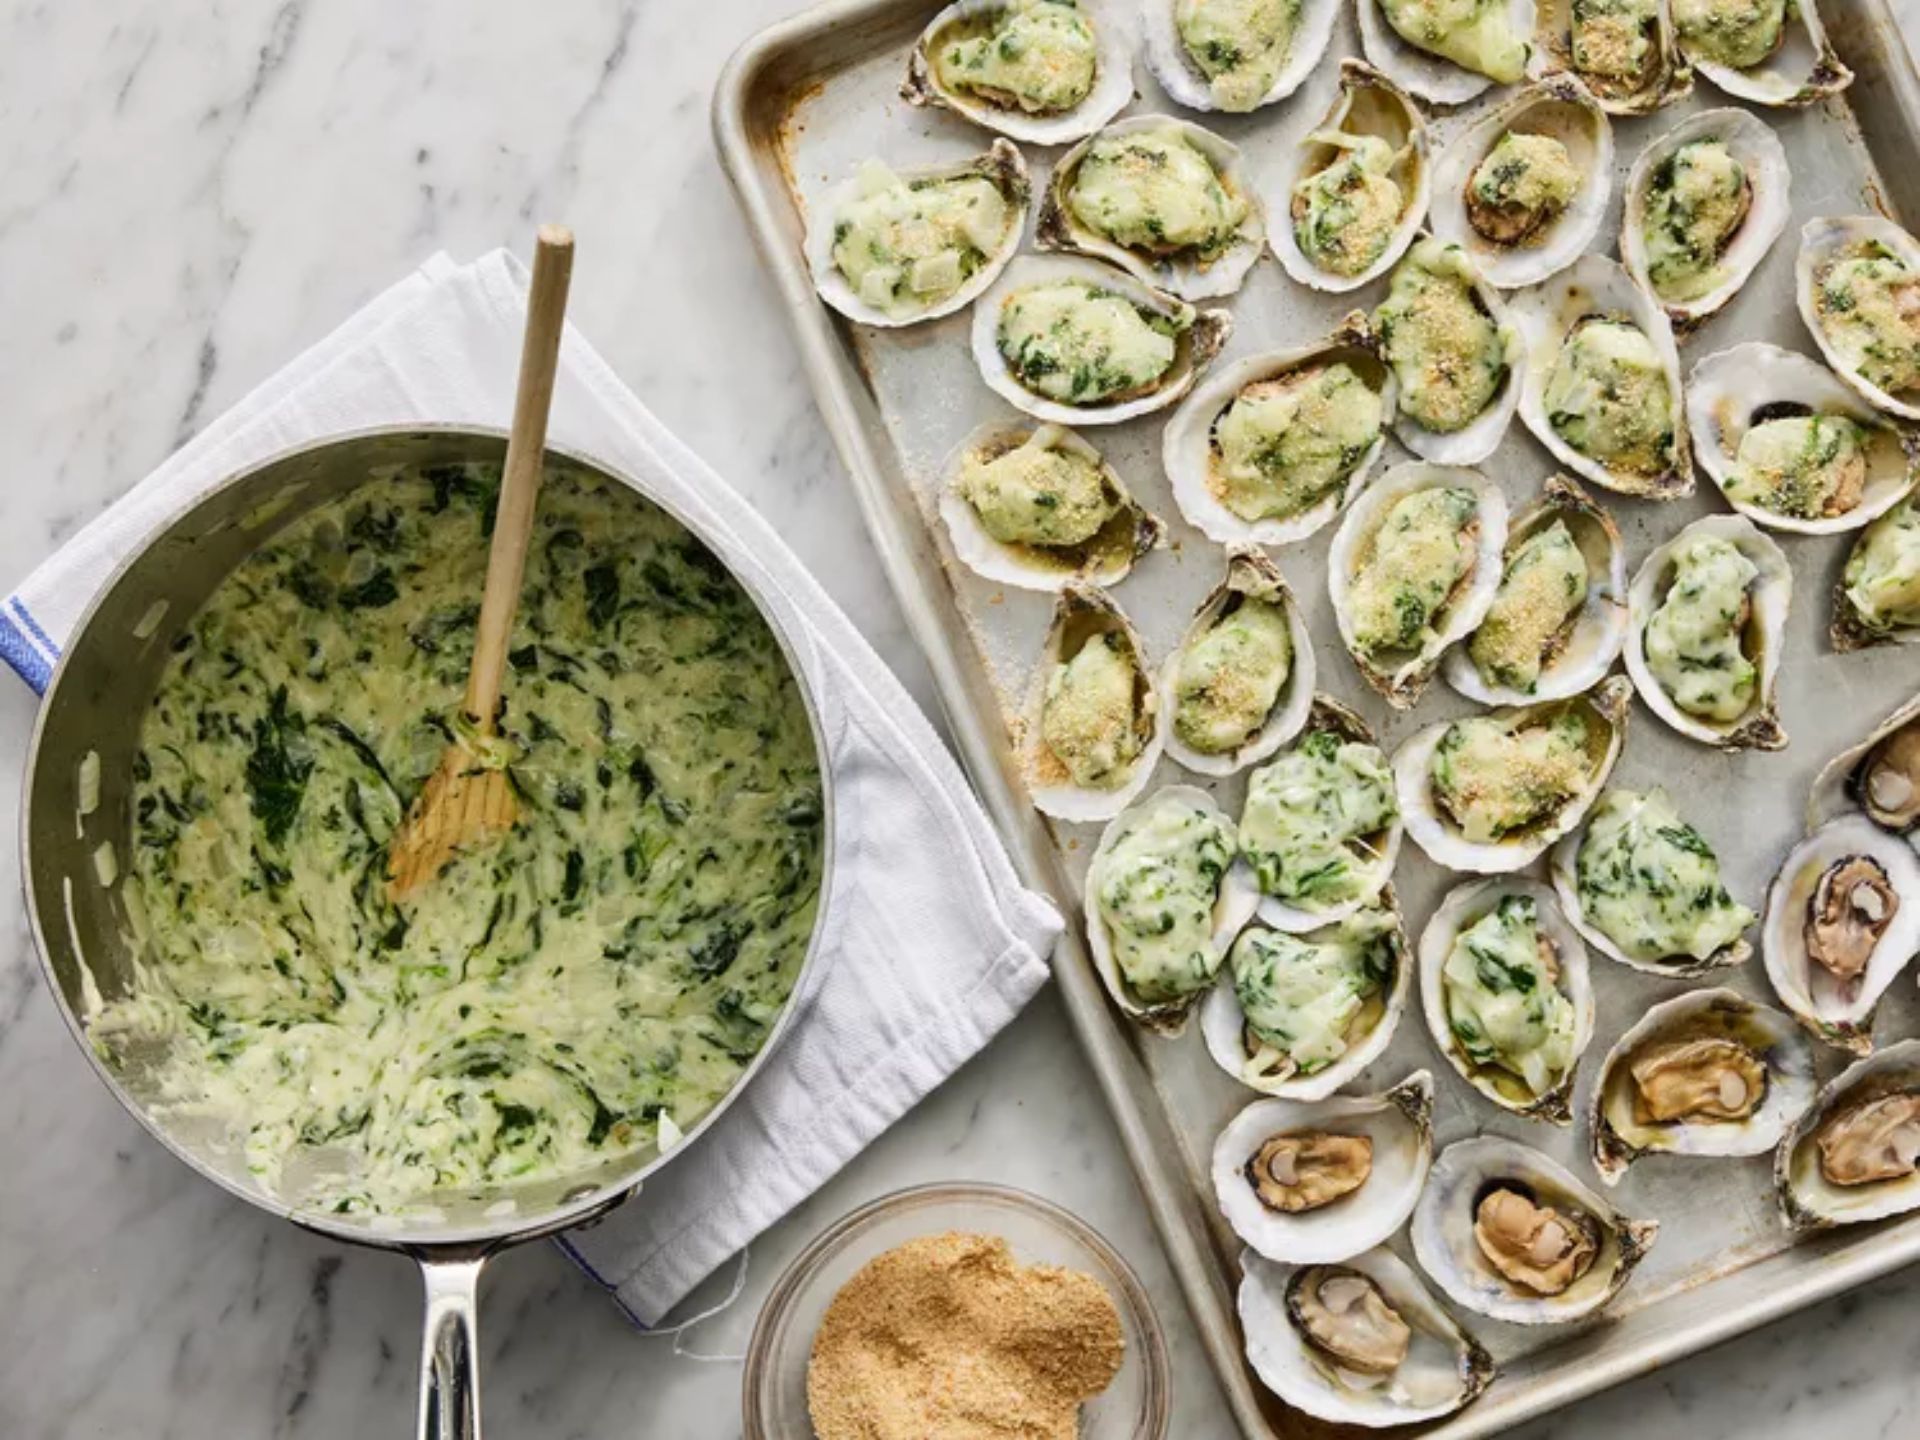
805, 102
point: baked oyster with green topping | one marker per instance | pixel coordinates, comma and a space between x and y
896, 248
1234, 55
1360, 191
1045, 71
1858, 279
1448, 51
1624, 51
1877, 601
1644, 887
1090, 735
1165, 200
1772, 52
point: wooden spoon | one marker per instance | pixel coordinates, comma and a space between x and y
470, 796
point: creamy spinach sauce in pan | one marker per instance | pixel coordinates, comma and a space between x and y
590, 983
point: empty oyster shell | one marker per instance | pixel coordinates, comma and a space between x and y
1707, 1073
1626, 54
1092, 208
1602, 388
1491, 940
1176, 36
1223, 710
1164, 900
1490, 793
986, 234
1312, 870
1320, 1180
1070, 71
1448, 65
1343, 1375
1820, 458
1516, 220
1877, 600
1510, 1260
1842, 921
1073, 341
1092, 723
1360, 191
1879, 777
1772, 52
1397, 612
1271, 448
1857, 281
1365, 954
1865, 1124
1644, 887
997, 478
1538, 642
1727, 672
1456, 356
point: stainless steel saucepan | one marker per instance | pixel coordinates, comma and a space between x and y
95, 704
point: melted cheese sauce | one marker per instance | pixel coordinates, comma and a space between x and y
1650, 882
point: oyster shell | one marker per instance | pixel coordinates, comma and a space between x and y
1636, 837
1442, 1368
1198, 270
1103, 557
1866, 464
1456, 779
1220, 673
1797, 68
1624, 52
1499, 52
1374, 143
1577, 653
1869, 1119
1877, 600
1520, 237
1238, 88
1030, 353
1447, 412
1852, 256
1223, 448
1377, 596
1879, 777
1763, 182
1312, 867
1002, 167
1091, 82
1707, 1073
1321, 1180
1532, 948
1172, 856
1512, 1261
1101, 711
1371, 944
1726, 558
1842, 922
1616, 341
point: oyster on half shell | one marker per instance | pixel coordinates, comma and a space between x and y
1707, 621
1707, 1073
1879, 777
1506, 1231
1447, 54
1852, 1157
1857, 282
1320, 1180
1877, 600
1623, 51
1490, 793
1842, 923
1772, 52
1237, 56
1044, 71
1357, 1343
1240, 684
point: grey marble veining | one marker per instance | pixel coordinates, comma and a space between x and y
192, 192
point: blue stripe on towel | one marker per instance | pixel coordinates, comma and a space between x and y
21, 653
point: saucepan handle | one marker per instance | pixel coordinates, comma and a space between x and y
450, 1349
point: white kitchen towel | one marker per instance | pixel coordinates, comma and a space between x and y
931, 944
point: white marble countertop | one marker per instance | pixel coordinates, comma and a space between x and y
192, 192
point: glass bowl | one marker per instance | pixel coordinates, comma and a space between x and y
1134, 1407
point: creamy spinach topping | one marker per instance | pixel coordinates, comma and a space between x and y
1497, 775
1156, 887
1696, 199
1882, 579
1313, 997
1542, 590
906, 245
1284, 445
1238, 46
1869, 308
1410, 566
1038, 56
1613, 42
1229, 676
1315, 822
1153, 191
1522, 184
596, 977
1475, 34
1504, 1003
1608, 396
1081, 344
1696, 640
1089, 715
1809, 466
1345, 214
1735, 33
1447, 353
1650, 883
1039, 492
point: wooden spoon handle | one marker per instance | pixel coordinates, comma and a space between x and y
520, 482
